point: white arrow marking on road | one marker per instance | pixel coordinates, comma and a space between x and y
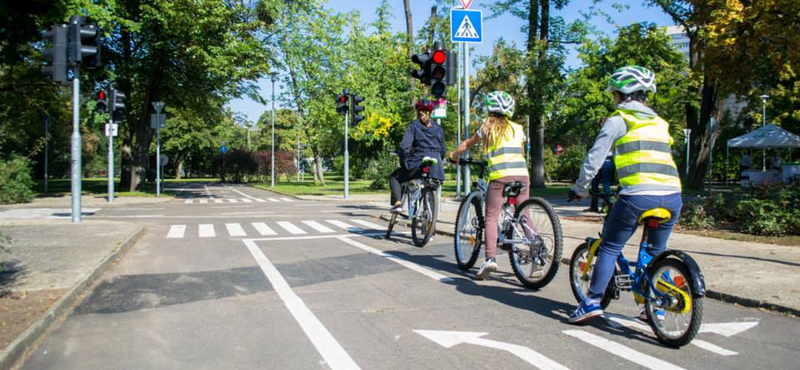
727, 329
711, 347
448, 339
623, 351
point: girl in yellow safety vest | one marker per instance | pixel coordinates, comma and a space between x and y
504, 144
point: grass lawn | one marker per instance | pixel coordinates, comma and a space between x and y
790, 240
99, 185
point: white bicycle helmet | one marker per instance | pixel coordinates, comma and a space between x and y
630, 79
500, 102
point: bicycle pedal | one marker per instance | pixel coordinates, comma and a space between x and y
623, 282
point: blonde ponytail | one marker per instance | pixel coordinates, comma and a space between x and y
493, 130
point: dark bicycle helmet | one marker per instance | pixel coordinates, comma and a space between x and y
424, 104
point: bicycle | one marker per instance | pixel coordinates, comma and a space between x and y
422, 204
677, 291
530, 232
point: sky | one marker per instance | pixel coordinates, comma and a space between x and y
505, 26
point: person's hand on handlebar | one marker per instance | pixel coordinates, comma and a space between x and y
577, 194
452, 158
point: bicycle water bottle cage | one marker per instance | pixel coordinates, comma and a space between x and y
654, 217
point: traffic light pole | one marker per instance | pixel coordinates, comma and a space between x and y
466, 114
346, 157
111, 159
76, 148
158, 158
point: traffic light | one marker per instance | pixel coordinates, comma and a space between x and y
438, 70
84, 43
101, 101
424, 62
116, 101
341, 103
356, 109
58, 39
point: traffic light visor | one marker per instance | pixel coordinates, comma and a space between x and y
439, 57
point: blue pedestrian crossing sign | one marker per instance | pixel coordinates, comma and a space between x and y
466, 25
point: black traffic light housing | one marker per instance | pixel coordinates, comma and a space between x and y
116, 102
423, 60
356, 109
58, 38
341, 102
84, 43
101, 104
438, 70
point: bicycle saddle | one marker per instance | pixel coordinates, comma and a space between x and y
513, 189
654, 217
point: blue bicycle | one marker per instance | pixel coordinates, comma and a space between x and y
670, 284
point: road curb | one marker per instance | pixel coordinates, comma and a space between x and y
275, 191
17, 351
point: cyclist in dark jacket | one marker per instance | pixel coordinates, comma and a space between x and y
423, 138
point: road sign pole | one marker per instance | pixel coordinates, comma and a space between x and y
76, 148
111, 160
158, 156
466, 114
458, 136
346, 157
46, 151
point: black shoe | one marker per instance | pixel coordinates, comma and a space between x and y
595, 210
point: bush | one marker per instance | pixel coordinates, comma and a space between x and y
16, 183
569, 163
762, 217
379, 169
695, 217
762, 210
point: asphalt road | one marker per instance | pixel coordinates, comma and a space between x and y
230, 277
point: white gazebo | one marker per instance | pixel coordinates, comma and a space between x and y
765, 137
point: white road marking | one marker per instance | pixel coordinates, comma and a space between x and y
206, 230
245, 200
176, 231
203, 201
260, 200
272, 200
623, 351
217, 200
619, 321
290, 227
410, 265
713, 348
188, 201
287, 200
448, 339
318, 226
369, 225
343, 225
232, 200
263, 229
727, 329
243, 194
235, 230
332, 352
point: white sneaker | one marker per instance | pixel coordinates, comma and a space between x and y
487, 267
396, 209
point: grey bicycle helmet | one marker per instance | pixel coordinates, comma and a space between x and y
500, 102
630, 79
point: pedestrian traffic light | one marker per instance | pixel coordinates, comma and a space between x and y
101, 104
57, 53
341, 104
438, 70
116, 101
356, 109
84, 43
423, 60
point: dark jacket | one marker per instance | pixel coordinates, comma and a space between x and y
421, 141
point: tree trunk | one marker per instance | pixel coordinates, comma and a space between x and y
536, 30
178, 168
125, 167
701, 137
410, 35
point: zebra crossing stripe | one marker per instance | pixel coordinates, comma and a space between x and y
203, 201
623, 351
217, 200
318, 226
233, 200
290, 227
235, 230
369, 224
245, 200
260, 200
287, 200
272, 200
188, 201
263, 229
176, 231
206, 230
343, 225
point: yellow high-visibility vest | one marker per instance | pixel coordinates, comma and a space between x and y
643, 156
506, 156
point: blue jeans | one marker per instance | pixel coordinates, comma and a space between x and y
620, 226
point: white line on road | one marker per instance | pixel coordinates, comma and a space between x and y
243, 194
318, 226
233, 200
260, 200
623, 351
176, 231
217, 200
245, 200
343, 225
369, 224
188, 201
272, 200
410, 265
235, 230
327, 346
206, 230
713, 348
203, 201
618, 321
263, 229
287, 200
290, 227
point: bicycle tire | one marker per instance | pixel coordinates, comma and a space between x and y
392, 221
471, 201
574, 284
424, 224
696, 306
551, 267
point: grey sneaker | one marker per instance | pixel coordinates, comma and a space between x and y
396, 209
487, 267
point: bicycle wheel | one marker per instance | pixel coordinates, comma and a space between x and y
580, 283
423, 224
391, 225
535, 262
675, 318
468, 232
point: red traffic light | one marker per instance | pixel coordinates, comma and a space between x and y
439, 56
101, 95
342, 99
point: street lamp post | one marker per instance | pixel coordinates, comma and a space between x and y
272, 152
764, 123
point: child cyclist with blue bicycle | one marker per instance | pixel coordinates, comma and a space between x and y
641, 142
